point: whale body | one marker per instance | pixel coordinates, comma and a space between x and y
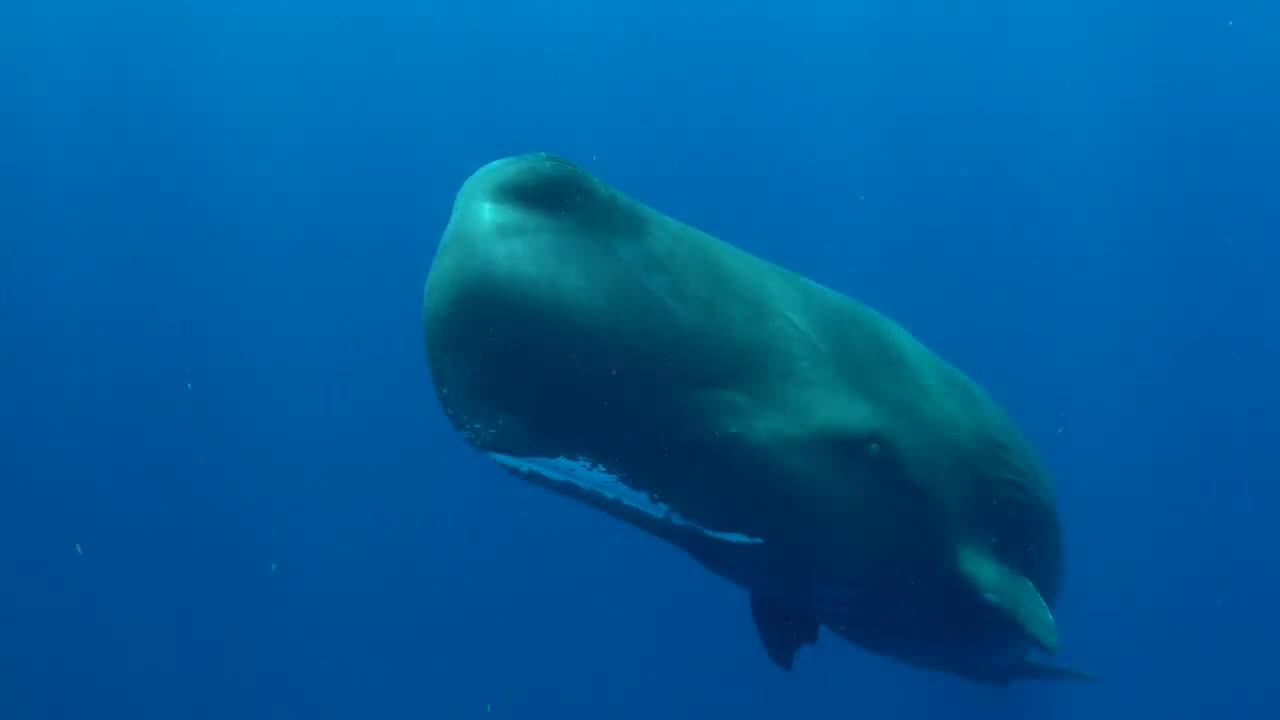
794, 441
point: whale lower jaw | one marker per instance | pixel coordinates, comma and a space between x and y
606, 487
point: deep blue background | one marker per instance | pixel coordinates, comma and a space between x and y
1076, 202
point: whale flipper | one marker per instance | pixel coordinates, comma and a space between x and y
783, 630
1013, 594
1033, 670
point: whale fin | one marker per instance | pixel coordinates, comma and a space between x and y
1014, 594
1032, 670
782, 629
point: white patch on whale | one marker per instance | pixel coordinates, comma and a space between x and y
597, 479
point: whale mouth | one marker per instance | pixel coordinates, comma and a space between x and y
597, 481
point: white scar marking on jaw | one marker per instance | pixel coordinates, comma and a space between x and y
597, 479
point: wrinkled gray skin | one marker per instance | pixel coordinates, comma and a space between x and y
796, 442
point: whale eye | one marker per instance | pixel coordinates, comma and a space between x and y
863, 446
873, 446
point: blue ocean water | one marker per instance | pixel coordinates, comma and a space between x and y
227, 490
